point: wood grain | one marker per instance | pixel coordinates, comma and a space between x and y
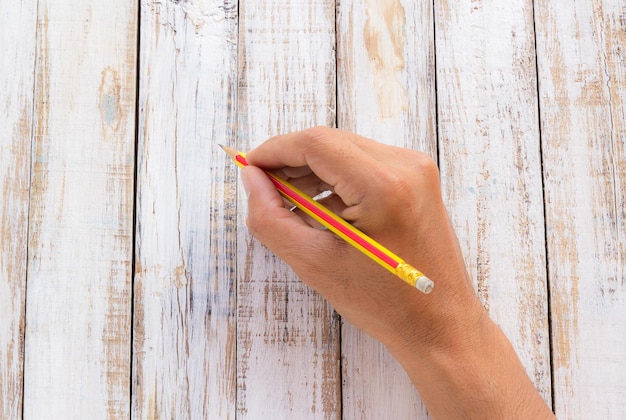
17, 64
287, 336
489, 151
581, 60
77, 359
386, 91
223, 329
184, 324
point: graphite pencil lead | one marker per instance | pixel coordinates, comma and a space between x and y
230, 152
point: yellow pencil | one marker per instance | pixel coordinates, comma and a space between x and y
343, 229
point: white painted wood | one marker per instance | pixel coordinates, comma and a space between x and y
287, 336
582, 77
77, 356
17, 63
489, 152
201, 351
184, 320
386, 91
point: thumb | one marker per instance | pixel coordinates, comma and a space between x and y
281, 230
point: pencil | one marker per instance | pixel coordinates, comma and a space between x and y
343, 229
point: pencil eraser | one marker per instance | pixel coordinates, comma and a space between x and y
424, 285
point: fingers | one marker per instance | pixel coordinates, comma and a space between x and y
310, 183
265, 204
284, 232
336, 157
376, 185
372, 179
332, 202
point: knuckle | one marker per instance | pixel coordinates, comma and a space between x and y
418, 168
319, 133
424, 164
410, 182
318, 139
324, 139
393, 179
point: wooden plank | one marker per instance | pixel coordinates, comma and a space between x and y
17, 58
184, 324
489, 151
582, 76
77, 357
386, 91
287, 336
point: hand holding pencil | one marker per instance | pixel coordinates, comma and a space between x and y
329, 220
392, 196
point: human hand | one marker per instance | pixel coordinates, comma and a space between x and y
391, 194
459, 360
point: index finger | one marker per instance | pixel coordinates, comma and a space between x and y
333, 155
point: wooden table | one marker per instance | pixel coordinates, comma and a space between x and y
129, 285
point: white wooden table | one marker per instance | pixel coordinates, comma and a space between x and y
129, 286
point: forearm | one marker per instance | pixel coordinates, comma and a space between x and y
471, 373
459, 360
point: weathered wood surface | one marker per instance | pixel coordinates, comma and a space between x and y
522, 103
287, 335
78, 306
184, 318
17, 63
581, 54
490, 162
385, 91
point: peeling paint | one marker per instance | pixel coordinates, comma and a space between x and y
384, 36
203, 12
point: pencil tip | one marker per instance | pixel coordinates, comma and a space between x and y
230, 152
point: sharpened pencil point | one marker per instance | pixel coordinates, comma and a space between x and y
230, 152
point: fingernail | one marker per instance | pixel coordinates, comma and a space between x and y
245, 181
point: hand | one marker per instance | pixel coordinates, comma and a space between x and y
389, 193
394, 196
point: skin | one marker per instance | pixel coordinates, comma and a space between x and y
458, 359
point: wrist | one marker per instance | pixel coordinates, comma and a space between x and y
450, 328
469, 370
